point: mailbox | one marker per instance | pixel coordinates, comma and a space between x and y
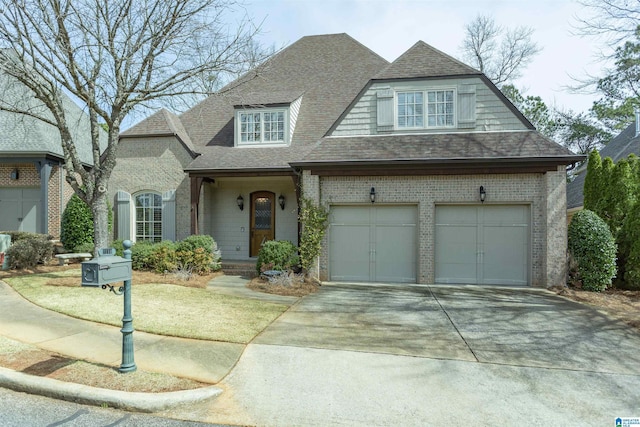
105, 269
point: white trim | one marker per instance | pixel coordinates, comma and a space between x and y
459, 132
425, 104
238, 127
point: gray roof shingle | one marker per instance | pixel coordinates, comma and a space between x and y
22, 135
434, 146
422, 60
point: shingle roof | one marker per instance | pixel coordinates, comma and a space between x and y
478, 145
328, 70
422, 60
161, 123
618, 148
22, 135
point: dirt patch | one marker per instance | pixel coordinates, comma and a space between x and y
298, 287
619, 304
35, 361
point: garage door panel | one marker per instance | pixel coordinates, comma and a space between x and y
350, 258
486, 244
395, 253
373, 243
19, 208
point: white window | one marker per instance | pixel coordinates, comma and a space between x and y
425, 109
261, 127
148, 217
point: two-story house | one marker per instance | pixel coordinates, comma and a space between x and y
430, 174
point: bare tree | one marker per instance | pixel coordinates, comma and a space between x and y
615, 20
113, 56
501, 54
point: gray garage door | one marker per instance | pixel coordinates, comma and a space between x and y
19, 209
373, 243
483, 244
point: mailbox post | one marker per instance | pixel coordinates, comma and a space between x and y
104, 270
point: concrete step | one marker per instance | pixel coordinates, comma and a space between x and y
240, 268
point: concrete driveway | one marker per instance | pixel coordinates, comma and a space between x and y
418, 355
521, 327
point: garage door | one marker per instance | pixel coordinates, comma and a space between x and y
19, 207
373, 243
482, 244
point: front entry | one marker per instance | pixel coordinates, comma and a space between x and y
262, 220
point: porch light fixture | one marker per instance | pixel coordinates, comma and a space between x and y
15, 174
281, 201
372, 195
483, 194
240, 202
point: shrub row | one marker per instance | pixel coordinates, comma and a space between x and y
196, 254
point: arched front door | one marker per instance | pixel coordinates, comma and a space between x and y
263, 220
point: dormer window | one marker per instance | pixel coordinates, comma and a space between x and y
425, 109
265, 126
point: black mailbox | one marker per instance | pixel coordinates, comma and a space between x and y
105, 269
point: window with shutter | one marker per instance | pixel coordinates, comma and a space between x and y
385, 107
467, 106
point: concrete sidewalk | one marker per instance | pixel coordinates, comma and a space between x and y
205, 361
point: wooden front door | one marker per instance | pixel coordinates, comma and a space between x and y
262, 220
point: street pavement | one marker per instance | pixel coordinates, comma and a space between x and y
358, 354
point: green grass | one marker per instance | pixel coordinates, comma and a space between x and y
156, 308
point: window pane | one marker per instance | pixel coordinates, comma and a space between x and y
440, 108
148, 217
410, 109
263, 213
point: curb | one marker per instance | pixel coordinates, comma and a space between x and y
131, 401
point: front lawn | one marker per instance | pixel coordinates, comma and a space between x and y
157, 308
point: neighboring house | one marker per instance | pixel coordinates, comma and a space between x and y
431, 175
33, 190
627, 142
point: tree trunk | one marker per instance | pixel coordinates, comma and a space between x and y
100, 221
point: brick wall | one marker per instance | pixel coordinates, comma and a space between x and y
155, 164
542, 192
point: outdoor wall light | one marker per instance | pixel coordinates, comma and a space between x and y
372, 195
483, 194
281, 201
240, 202
15, 174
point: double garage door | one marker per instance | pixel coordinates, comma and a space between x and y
373, 243
19, 209
474, 244
485, 244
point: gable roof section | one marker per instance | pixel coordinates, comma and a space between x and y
328, 70
162, 123
25, 136
422, 60
618, 148
439, 148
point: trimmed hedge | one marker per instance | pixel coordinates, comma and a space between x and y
593, 248
77, 224
279, 255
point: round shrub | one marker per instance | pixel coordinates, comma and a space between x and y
279, 255
141, 253
194, 242
201, 261
30, 251
594, 250
77, 224
163, 257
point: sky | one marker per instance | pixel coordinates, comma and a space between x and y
390, 27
